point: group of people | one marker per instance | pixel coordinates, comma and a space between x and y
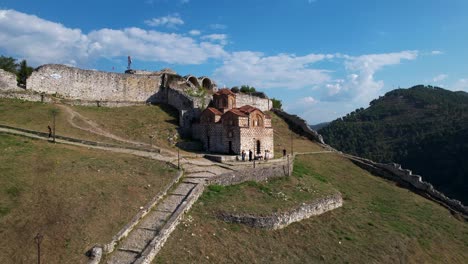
252, 157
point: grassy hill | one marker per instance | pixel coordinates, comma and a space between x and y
379, 222
75, 197
423, 128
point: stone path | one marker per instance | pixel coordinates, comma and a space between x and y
145, 240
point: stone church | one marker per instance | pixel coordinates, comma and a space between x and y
224, 128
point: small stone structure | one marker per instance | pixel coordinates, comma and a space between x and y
281, 220
225, 128
8, 81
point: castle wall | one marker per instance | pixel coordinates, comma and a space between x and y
8, 81
263, 104
74, 83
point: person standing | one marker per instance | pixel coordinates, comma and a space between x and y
250, 155
243, 155
50, 131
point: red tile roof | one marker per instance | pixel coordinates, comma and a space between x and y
224, 91
237, 112
248, 109
214, 111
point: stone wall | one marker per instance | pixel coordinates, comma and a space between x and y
281, 220
250, 136
263, 104
261, 173
74, 83
300, 125
8, 81
404, 177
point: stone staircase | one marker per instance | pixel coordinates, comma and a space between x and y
149, 235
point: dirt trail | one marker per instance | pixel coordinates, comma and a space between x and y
93, 127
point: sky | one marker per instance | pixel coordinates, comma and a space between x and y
321, 58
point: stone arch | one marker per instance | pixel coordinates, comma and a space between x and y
193, 80
207, 83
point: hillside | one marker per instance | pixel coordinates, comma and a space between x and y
379, 221
423, 128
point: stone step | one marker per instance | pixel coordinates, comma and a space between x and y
170, 203
183, 189
155, 220
123, 257
137, 240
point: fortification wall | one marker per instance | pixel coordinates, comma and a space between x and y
405, 177
263, 104
283, 219
74, 83
8, 81
300, 125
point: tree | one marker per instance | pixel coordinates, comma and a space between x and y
276, 103
247, 89
24, 72
8, 64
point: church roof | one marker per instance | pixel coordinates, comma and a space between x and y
237, 112
214, 111
247, 109
224, 92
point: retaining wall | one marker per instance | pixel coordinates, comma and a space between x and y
281, 220
260, 173
299, 124
405, 177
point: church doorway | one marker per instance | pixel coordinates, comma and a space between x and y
258, 147
231, 151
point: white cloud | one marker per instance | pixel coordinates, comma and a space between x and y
360, 84
308, 100
437, 52
195, 32
279, 71
440, 78
221, 38
170, 21
461, 85
41, 41
218, 26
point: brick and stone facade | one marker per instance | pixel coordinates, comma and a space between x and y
224, 128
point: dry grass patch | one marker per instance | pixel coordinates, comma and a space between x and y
75, 196
282, 138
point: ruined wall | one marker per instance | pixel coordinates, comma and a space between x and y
8, 81
300, 125
263, 104
404, 177
74, 83
281, 220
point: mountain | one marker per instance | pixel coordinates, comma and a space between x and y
319, 126
424, 128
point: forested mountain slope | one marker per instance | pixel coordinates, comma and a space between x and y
424, 128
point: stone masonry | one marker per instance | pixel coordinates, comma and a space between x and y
8, 81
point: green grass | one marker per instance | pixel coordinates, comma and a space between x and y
132, 122
264, 198
75, 196
378, 223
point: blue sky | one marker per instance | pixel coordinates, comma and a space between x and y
322, 58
